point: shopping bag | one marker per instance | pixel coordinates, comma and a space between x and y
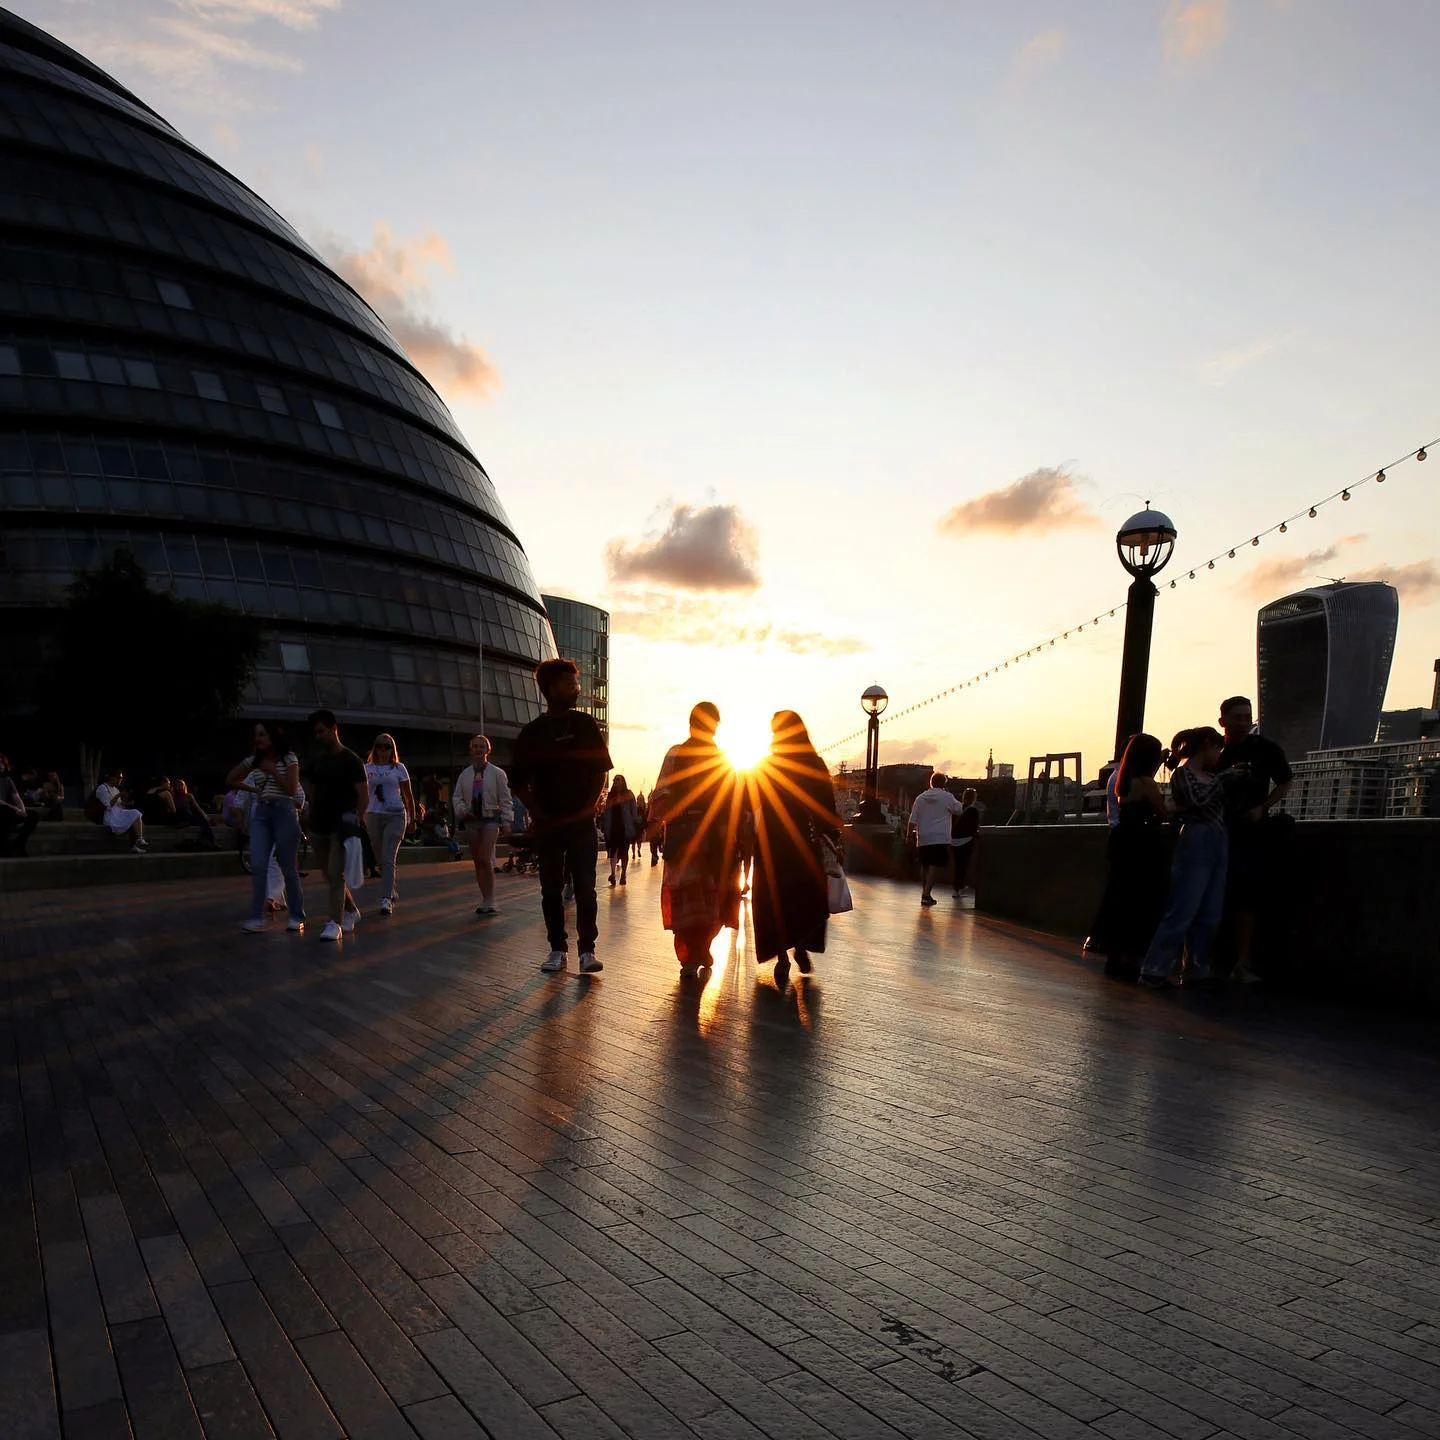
354, 862
838, 888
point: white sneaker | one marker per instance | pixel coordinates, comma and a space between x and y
295, 927
139, 848
589, 965
386, 906
253, 926
348, 923
331, 931
554, 961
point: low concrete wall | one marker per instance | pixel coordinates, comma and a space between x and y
1357, 908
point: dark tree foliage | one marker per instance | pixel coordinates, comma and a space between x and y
140, 673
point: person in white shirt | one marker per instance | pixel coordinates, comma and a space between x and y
930, 817
391, 815
482, 805
119, 819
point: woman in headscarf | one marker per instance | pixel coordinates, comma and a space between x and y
794, 804
697, 800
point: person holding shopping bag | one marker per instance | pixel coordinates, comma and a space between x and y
483, 805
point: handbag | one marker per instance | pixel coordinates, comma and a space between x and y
838, 895
354, 862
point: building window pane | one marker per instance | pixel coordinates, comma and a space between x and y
142, 372
271, 398
107, 369
173, 293
208, 385
9, 360
327, 414
72, 365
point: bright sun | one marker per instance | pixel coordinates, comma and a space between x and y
744, 739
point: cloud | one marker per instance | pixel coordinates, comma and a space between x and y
190, 49
1193, 29
712, 547
1271, 579
1045, 499
392, 275
1417, 582
666, 618
1221, 369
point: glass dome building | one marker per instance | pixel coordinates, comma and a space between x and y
181, 375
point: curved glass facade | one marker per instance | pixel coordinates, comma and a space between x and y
180, 374
582, 633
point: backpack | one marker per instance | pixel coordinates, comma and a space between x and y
94, 809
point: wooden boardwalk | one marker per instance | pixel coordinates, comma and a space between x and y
954, 1183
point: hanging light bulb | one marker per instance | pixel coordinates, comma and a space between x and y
1232, 554
1312, 512
1420, 453
1192, 574
1284, 528
1255, 541
1172, 584
1212, 565
1379, 477
1344, 494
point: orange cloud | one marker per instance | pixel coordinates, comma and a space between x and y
1045, 499
710, 547
1418, 582
1193, 29
663, 616
393, 276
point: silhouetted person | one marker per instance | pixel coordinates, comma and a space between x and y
1264, 781
559, 772
964, 836
620, 824
1138, 884
697, 798
339, 798
794, 802
17, 821
265, 786
930, 819
1197, 872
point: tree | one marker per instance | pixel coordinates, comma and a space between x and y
140, 672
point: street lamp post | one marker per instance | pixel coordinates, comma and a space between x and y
873, 702
1144, 543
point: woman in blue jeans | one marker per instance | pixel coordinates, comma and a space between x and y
1197, 873
273, 773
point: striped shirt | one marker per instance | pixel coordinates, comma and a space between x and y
267, 786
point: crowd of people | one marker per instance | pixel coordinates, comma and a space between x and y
1183, 869
1185, 872
774, 831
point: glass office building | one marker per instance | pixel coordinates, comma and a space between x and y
181, 375
1324, 659
582, 634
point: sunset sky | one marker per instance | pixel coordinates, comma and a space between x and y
753, 311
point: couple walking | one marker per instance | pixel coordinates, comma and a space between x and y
715, 819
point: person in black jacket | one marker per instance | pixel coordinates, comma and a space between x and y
559, 771
964, 832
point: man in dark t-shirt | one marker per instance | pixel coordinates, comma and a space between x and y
1263, 779
558, 769
338, 795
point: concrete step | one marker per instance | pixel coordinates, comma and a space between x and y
60, 872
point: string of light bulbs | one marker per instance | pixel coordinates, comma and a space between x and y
1280, 527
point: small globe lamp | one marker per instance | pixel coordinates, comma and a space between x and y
1144, 543
873, 703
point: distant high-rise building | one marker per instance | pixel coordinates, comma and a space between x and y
1324, 659
582, 634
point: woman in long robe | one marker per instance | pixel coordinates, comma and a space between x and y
793, 799
697, 800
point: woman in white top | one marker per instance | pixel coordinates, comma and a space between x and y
391, 814
118, 818
482, 804
272, 772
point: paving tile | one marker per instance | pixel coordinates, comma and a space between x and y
156, 1396
226, 1402
84, 1365
199, 1335
28, 1407
355, 1395
444, 1418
